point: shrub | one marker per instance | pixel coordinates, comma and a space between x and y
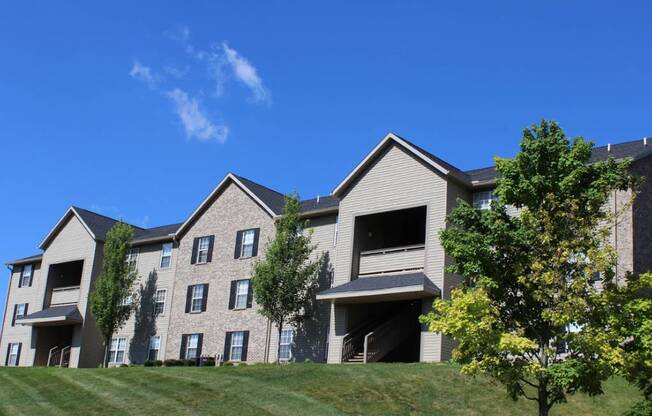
124, 365
228, 364
149, 363
173, 363
158, 363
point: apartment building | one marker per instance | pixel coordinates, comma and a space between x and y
384, 267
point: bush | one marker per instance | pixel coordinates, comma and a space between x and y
149, 363
124, 365
158, 363
173, 363
207, 362
228, 364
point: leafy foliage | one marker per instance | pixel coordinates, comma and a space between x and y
529, 278
284, 281
114, 284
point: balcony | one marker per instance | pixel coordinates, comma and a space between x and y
64, 295
392, 260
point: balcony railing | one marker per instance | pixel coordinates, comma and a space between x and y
64, 295
392, 260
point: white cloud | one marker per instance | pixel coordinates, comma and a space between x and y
143, 73
247, 74
195, 122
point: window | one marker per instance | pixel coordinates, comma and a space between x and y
21, 310
154, 347
197, 299
159, 301
166, 255
241, 294
132, 259
192, 346
12, 354
126, 301
248, 237
117, 350
285, 344
202, 249
237, 342
26, 276
482, 200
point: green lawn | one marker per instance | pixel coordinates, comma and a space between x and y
302, 389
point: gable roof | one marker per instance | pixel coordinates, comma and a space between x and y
263, 196
150, 235
319, 205
26, 260
439, 165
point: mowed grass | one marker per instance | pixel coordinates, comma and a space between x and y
298, 389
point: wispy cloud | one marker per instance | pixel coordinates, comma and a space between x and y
245, 72
195, 122
143, 73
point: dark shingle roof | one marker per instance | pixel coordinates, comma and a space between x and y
99, 224
634, 150
26, 260
66, 312
161, 232
459, 174
325, 202
274, 200
364, 284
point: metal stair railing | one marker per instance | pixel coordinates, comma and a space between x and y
353, 340
383, 339
64, 361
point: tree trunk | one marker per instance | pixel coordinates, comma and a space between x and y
278, 344
544, 408
105, 362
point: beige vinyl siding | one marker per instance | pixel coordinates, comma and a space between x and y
337, 331
141, 326
20, 333
73, 242
396, 180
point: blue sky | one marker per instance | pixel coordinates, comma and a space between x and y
137, 110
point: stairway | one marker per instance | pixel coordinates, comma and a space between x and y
374, 340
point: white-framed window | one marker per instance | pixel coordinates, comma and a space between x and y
191, 346
237, 342
482, 199
285, 345
126, 301
154, 347
202, 249
20, 310
166, 255
197, 300
117, 350
12, 359
241, 294
26, 275
248, 237
159, 301
132, 258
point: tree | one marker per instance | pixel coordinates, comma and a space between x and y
284, 281
114, 285
623, 315
529, 278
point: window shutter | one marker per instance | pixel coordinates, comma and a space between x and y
20, 346
184, 341
195, 245
238, 245
200, 342
13, 318
254, 252
234, 284
20, 276
25, 313
245, 345
209, 257
8, 352
204, 300
31, 276
250, 294
227, 347
188, 298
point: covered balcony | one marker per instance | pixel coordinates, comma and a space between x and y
63, 283
389, 242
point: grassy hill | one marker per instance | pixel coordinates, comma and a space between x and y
302, 389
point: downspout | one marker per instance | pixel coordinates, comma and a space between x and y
4, 315
616, 234
174, 278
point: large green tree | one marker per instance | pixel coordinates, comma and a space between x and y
114, 285
284, 281
623, 318
530, 278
